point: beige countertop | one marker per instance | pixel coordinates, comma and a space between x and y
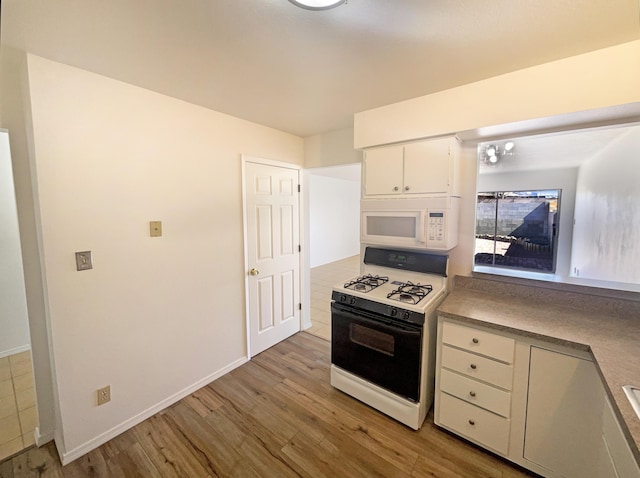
576, 317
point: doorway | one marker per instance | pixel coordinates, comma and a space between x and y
334, 236
18, 415
272, 251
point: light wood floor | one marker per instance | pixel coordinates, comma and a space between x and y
276, 416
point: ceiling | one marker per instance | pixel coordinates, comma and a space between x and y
307, 72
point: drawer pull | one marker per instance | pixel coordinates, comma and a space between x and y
472, 393
474, 340
472, 422
473, 366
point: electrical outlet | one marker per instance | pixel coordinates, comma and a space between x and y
104, 395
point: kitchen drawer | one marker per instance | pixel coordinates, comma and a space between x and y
478, 341
472, 422
478, 393
474, 366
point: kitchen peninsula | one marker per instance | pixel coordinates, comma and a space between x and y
601, 326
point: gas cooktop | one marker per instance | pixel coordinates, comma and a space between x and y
403, 289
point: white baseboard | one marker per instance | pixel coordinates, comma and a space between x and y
67, 457
42, 438
15, 350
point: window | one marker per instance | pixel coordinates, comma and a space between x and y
517, 229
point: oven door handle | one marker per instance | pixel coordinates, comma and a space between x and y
375, 320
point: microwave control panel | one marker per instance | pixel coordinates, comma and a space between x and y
436, 233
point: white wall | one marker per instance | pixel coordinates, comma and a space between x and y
607, 229
461, 257
330, 149
155, 317
334, 217
14, 322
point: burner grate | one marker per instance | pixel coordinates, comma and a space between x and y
410, 293
366, 283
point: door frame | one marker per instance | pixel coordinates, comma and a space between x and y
303, 258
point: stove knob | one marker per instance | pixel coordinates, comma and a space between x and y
406, 315
393, 312
343, 298
352, 301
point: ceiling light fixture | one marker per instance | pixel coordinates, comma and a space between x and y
318, 4
493, 155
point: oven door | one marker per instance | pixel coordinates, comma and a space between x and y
377, 349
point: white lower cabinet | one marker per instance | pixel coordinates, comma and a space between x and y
473, 422
476, 393
474, 380
563, 427
539, 405
617, 458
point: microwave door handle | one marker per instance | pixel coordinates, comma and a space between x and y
422, 228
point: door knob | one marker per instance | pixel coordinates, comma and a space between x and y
254, 272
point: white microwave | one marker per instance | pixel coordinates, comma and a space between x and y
427, 223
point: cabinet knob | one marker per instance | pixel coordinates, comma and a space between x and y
472, 422
406, 188
473, 366
472, 393
395, 188
474, 340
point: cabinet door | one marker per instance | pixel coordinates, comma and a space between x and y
383, 171
606, 466
428, 167
563, 426
618, 455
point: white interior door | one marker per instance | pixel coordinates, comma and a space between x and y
273, 256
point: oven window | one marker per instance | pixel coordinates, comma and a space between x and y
392, 226
372, 339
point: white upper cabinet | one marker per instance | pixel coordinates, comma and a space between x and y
426, 168
383, 171
429, 167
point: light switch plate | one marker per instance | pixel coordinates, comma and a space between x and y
155, 228
84, 261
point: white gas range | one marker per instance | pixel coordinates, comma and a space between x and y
384, 329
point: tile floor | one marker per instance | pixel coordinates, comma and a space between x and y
18, 416
323, 278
